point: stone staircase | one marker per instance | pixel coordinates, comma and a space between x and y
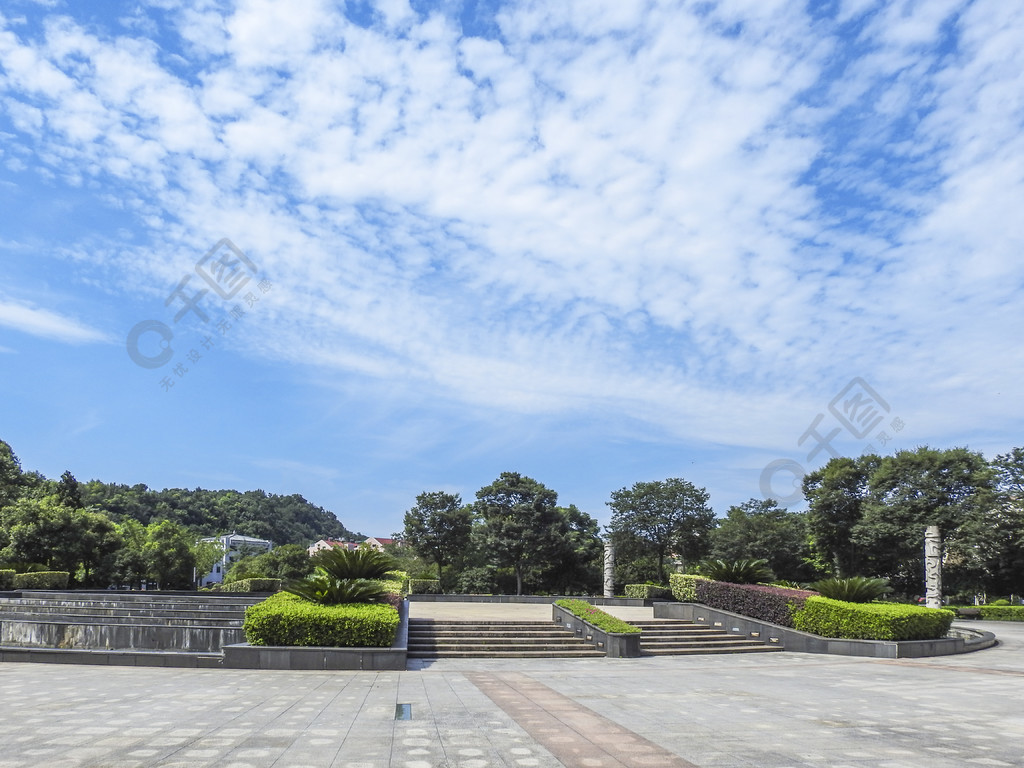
135, 623
671, 637
467, 639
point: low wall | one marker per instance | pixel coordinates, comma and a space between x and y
961, 640
616, 646
245, 656
528, 599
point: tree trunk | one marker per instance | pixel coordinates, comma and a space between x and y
519, 581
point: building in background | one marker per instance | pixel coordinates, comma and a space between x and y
235, 546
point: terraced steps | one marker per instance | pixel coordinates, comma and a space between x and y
453, 639
122, 621
670, 637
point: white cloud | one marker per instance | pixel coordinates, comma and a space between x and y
47, 324
702, 219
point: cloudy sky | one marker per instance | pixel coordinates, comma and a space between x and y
359, 250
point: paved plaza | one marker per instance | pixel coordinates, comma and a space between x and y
751, 710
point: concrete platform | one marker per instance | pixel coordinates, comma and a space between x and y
778, 710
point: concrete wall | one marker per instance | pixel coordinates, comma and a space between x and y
792, 640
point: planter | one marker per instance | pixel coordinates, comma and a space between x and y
615, 645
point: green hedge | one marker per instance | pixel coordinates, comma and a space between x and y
7, 579
647, 592
774, 604
253, 585
684, 586
584, 610
1002, 612
871, 621
286, 619
42, 580
424, 587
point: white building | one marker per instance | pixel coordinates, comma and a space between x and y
235, 546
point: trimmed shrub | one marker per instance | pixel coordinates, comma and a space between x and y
1002, 612
604, 621
424, 587
42, 580
287, 619
7, 579
684, 586
773, 604
856, 589
749, 571
647, 592
1000, 601
872, 621
253, 585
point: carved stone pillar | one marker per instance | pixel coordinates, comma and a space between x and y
609, 569
932, 567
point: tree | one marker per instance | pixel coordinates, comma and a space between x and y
130, 560
836, 496
168, 554
44, 531
915, 489
438, 528
760, 529
11, 481
69, 492
577, 566
665, 517
518, 514
289, 561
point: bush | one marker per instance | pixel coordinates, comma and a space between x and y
1002, 612
344, 576
603, 621
1000, 601
424, 587
42, 580
684, 586
253, 585
647, 592
872, 621
748, 571
773, 604
286, 619
856, 589
7, 579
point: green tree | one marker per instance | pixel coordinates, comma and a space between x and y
918, 488
130, 560
206, 555
11, 480
836, 496
97, 549
760, 529
289, 561
437, 528
578, 562
665, 517
69, 492
518, 515
44, 531
170, 560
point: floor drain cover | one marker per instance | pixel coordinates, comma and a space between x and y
403, 711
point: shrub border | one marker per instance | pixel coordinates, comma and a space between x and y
964, 641
615, 644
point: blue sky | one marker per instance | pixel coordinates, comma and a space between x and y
593, 242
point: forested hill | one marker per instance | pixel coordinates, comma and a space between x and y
282, 519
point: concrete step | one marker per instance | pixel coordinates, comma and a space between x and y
711, 649
140, 621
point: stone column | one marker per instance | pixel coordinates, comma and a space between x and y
609, 568
932, 567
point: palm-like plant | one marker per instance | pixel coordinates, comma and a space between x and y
856, 589
344, 576
749, 571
